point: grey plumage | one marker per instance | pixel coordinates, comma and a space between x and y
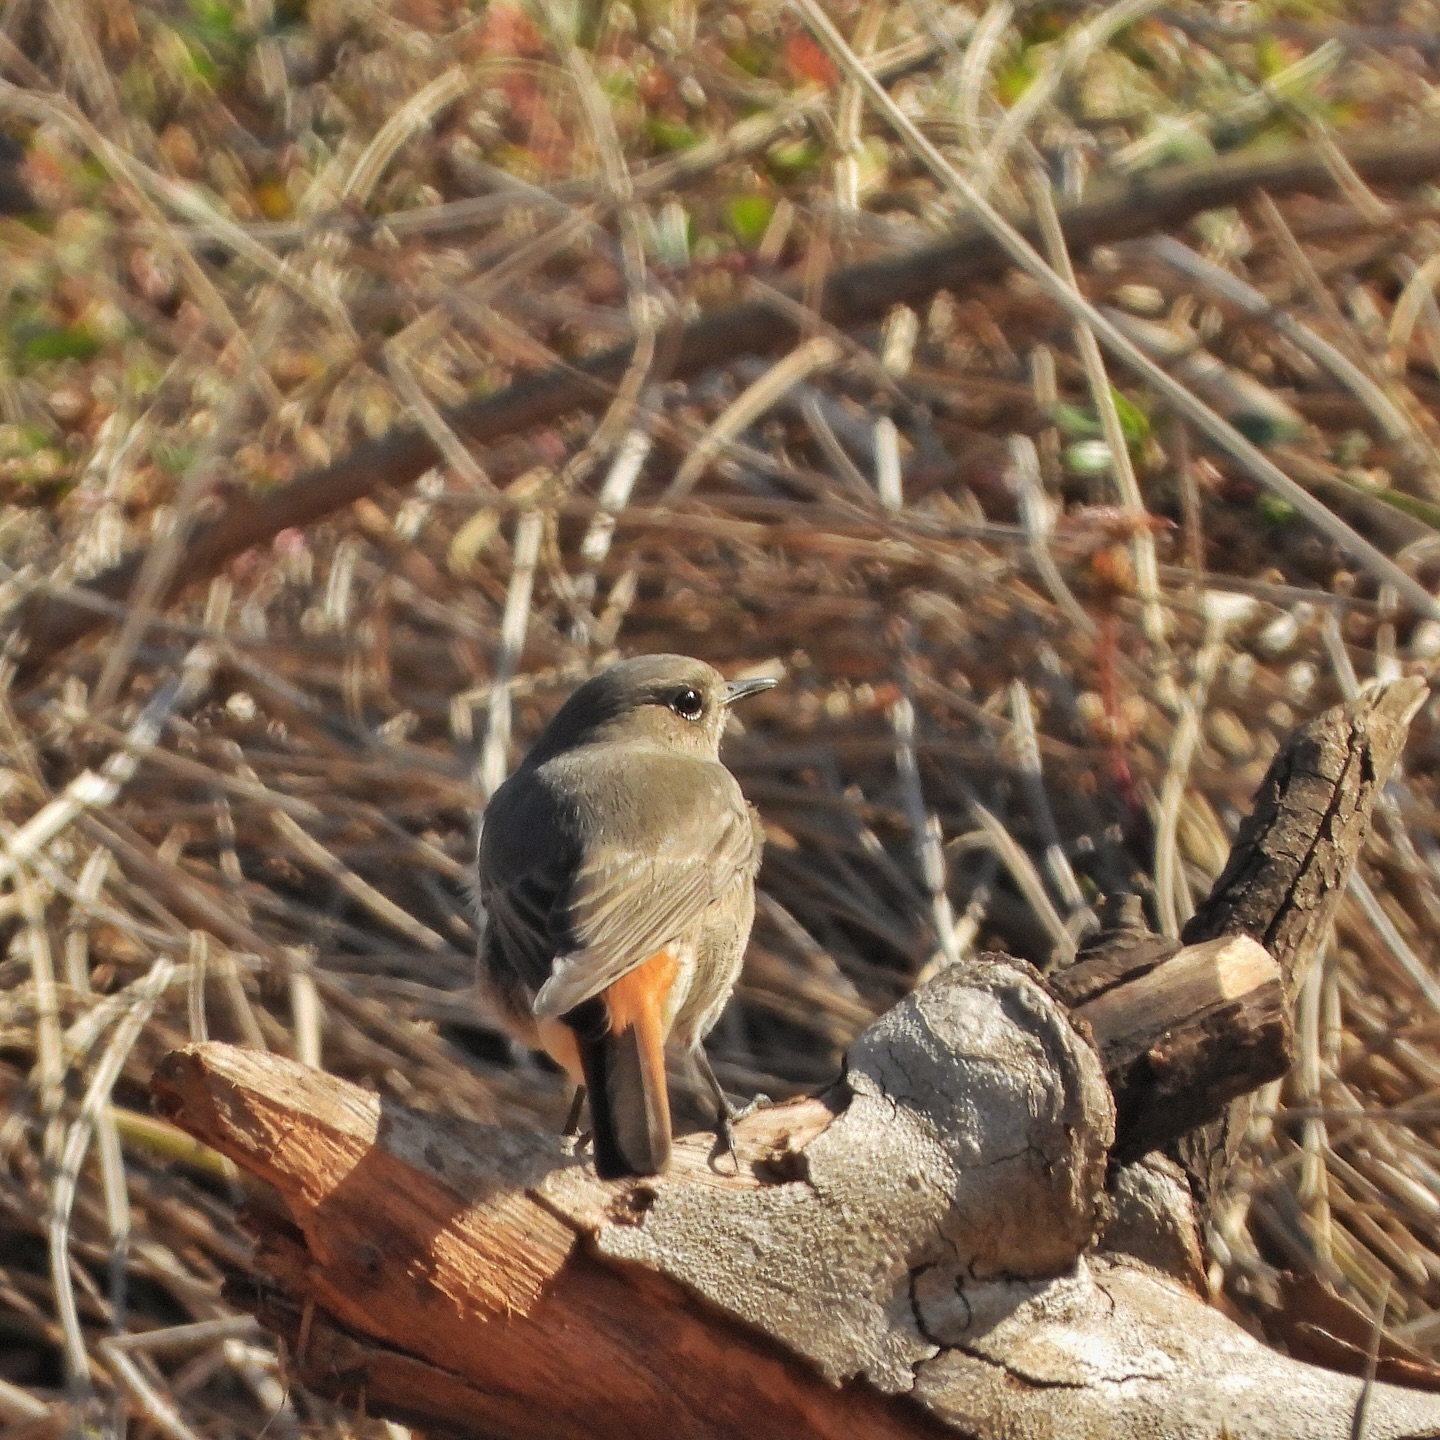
621, 837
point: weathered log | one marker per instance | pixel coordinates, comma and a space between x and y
947, 1242
915, 1257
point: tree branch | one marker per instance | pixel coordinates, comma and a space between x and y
1290, 865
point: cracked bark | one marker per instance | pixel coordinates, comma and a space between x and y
950, 1241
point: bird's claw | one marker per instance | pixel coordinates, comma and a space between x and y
754, 1103
727, 1120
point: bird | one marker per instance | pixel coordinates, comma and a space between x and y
616, 872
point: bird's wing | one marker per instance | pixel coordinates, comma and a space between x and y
518, 915
526, 858
625, 904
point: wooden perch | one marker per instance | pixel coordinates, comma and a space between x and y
947, 1242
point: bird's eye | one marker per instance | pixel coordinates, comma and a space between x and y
687, 703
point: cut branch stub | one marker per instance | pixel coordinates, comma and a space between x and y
1291, 863
1182, 1038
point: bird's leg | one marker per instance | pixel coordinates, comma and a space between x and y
726, 1114
571, 1131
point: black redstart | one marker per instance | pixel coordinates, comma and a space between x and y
617, 872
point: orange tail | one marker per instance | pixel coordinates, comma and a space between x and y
621, 1039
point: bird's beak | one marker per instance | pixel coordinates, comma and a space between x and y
740, 689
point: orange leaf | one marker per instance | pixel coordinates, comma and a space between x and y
807, 61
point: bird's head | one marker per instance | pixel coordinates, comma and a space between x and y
668, 700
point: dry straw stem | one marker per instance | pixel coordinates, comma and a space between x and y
77, 1141
1036, 515
1102, 396
1026, 740
747, 407
1081, 42
1391, 418
96, 790
1172, 893
866, 291
1225, 436
973, 79
1273, 94
495, 759
924, 827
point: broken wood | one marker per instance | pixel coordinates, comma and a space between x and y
946, 1242
1169, 1077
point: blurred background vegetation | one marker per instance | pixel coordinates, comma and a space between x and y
1040, 635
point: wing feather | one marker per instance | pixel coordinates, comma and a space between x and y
625, 906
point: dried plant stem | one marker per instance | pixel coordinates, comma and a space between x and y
92, 790
1080, 43
77, 1142
413, 116
1102, 396
747, 407
1219, 431
1395, 944
495, 759
849, 109
1174, 907
974, 76
1057, 864
1393, 421
314, 854
924, 828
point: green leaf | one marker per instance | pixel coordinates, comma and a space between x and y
793, 159
65, 342
670, 135
1275, 511
1134, 422
748, 216
1075, 423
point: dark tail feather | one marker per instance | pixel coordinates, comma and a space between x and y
629, 1099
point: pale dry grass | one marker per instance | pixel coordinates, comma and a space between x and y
1019, 675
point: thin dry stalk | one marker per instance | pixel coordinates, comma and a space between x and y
77, 1142
495, 759
1080, 43
924, 828
1102, 396
755, 400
